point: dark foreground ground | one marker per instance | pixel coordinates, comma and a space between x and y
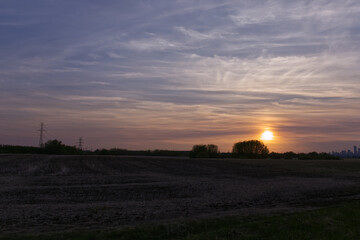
41, 193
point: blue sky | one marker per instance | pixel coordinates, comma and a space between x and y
170, 74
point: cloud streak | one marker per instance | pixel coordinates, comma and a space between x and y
182, 72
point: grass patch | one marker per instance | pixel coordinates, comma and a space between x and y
340, 222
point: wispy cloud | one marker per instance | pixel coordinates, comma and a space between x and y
181, 72
198, 35
153, 44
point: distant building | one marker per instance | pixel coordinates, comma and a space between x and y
348, 153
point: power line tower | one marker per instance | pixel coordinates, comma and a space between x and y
80, 146
41, 130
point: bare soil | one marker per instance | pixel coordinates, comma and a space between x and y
40, 193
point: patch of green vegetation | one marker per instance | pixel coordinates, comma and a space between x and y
340, 222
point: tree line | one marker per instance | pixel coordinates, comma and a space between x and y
57, 147
245, 149
50, 147
156, 152
252, 149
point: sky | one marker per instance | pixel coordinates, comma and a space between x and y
160, 74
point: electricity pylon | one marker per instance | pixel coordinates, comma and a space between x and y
41, 130
80, 143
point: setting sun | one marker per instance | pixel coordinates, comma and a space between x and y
267, 135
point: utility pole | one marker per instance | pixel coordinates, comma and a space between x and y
80, 143
41, 130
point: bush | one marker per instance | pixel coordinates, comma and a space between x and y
56, 147
204, 151
250, 149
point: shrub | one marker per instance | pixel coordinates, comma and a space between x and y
250, 149
204, 151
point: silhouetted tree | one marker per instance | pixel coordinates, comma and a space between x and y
251, 149
213, 150
53, 146
204, 151
290, 155
56, 147
275, 155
